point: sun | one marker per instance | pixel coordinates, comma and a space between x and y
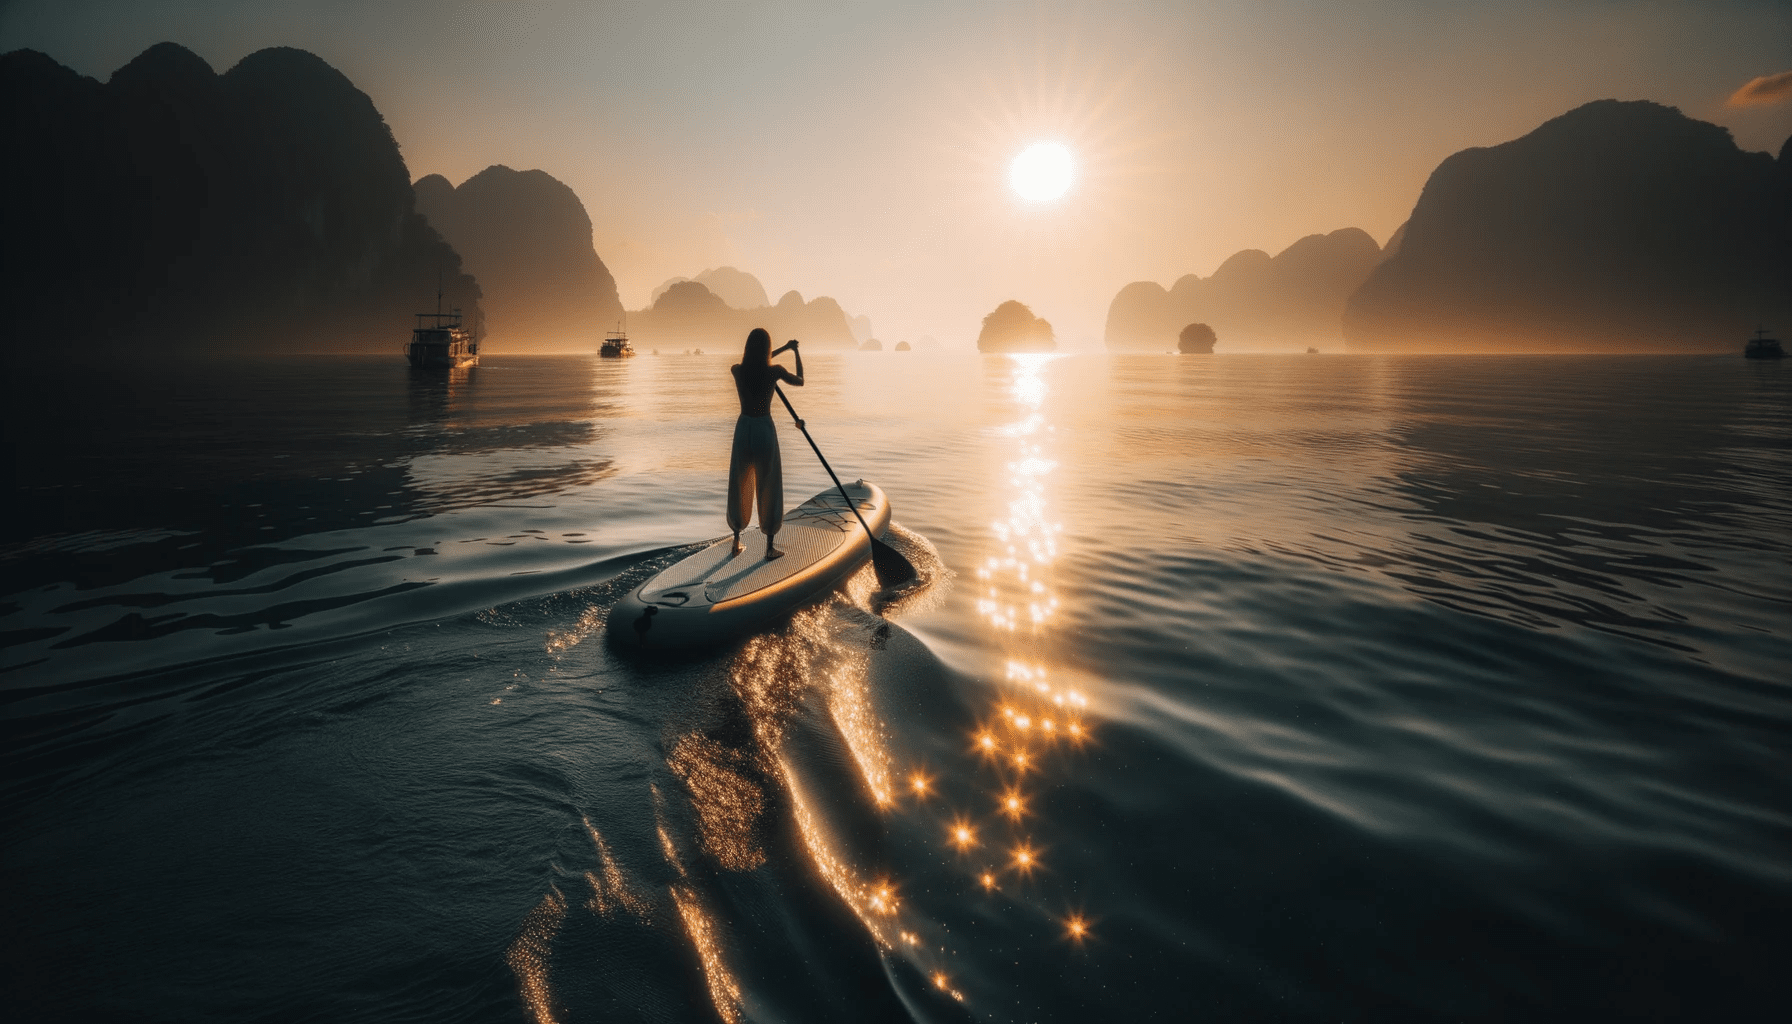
1041, 172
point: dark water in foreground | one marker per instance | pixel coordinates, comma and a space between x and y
1306, 688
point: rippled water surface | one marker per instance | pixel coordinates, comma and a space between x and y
1303, 688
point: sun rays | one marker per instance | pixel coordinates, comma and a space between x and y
1051, 137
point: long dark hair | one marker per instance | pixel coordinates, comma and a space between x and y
758, 353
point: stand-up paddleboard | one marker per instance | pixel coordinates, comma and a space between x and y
714, 595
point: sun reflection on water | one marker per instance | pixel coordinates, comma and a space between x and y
529, 955
1011, 589
724, 991
1034, 720
611, 889
727, 801
773, 675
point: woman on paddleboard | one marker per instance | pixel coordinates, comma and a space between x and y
754, 468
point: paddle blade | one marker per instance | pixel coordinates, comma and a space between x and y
893, 570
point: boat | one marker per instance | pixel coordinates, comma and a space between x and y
616, 345
442, 344
1762, 347
715, 595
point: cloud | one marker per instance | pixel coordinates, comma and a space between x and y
1762, 91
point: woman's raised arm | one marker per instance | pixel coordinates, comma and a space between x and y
795, 379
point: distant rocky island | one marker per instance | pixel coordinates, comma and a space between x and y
1296, 297
688, 312
1617, 226
1196, 339
1012, 327
526, 238
173, 208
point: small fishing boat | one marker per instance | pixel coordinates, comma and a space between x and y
442, 344
1762, 347
616, 345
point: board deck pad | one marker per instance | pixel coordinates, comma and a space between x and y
811, 532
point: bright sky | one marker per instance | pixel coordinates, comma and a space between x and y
861, 149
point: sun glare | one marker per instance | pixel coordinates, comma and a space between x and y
1041, 172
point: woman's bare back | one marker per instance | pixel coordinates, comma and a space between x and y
755, 388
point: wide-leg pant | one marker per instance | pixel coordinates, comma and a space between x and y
755, 469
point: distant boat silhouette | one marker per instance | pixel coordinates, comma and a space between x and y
1762, 347
616, 345
442, 344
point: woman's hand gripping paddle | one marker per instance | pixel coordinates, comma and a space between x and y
893, 570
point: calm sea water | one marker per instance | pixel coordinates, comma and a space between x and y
1300, 688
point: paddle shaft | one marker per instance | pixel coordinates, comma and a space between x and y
824, 465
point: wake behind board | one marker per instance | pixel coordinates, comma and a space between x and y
713, 595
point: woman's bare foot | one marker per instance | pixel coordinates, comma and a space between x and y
737, 547
771, 553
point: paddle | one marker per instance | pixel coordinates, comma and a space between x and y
893, 570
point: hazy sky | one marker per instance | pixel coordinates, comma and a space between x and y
860, 149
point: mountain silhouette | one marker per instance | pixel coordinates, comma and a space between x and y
527, 239
1296, 297
1012, 327
688, 313
1616, 226
820, 322
264, 209
737, 288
